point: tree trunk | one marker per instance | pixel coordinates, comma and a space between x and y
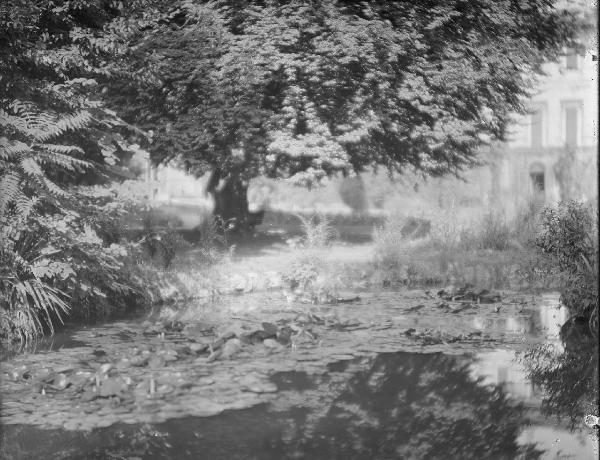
230, 195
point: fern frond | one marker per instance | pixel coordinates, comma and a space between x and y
22, 294
32, 169
41, 125
12, 150
10, 188
16, 123
68, 123
67, 162
62, 149
25, 206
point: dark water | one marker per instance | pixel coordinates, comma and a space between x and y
473, 402
395, 405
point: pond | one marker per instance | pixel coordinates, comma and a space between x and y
392, 376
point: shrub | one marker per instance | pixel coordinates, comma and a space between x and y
209, 241
388, 242
30, 298
162, 245
55, 263
569, 236
317, 229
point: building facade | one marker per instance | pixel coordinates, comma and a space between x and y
552, 153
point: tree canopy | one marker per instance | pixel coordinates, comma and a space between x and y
291, 89
307, 89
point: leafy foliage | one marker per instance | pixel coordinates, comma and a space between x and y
57, 264
307, 89
569, 237
30, 298
55, 134
318, 230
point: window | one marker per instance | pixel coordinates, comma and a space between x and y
572, 63
571, 122
537, 119
571, 126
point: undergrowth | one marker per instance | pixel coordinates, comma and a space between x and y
317, 230
491, 250
569, 237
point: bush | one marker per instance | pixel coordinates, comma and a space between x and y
161, 246
569, 236
55, 263
209, 241
317, 229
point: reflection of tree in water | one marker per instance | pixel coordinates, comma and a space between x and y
400, 405
417, 406
568, 378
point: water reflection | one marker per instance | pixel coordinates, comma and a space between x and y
396, 405
408, 405
550, 379
545, 319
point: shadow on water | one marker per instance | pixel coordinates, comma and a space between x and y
396, 405
485, 403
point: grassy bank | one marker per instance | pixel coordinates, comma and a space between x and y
489, 251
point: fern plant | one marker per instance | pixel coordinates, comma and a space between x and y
27, 150
55, 133
30, 298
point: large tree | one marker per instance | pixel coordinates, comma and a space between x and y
307, 89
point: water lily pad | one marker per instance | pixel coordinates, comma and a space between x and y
198, 347
156, 362
231, 347
216, 354
168, 355
195, 329
284, 336
61, 382
415, 308
272, 344
347, 298
270, 328
105, 368
113, 386
256, 384
139, 361
254, 337
123, 364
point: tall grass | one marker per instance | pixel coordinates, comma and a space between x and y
457, 249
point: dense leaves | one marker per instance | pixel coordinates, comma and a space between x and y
55, 133
306, 89
569, 237
284, 89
